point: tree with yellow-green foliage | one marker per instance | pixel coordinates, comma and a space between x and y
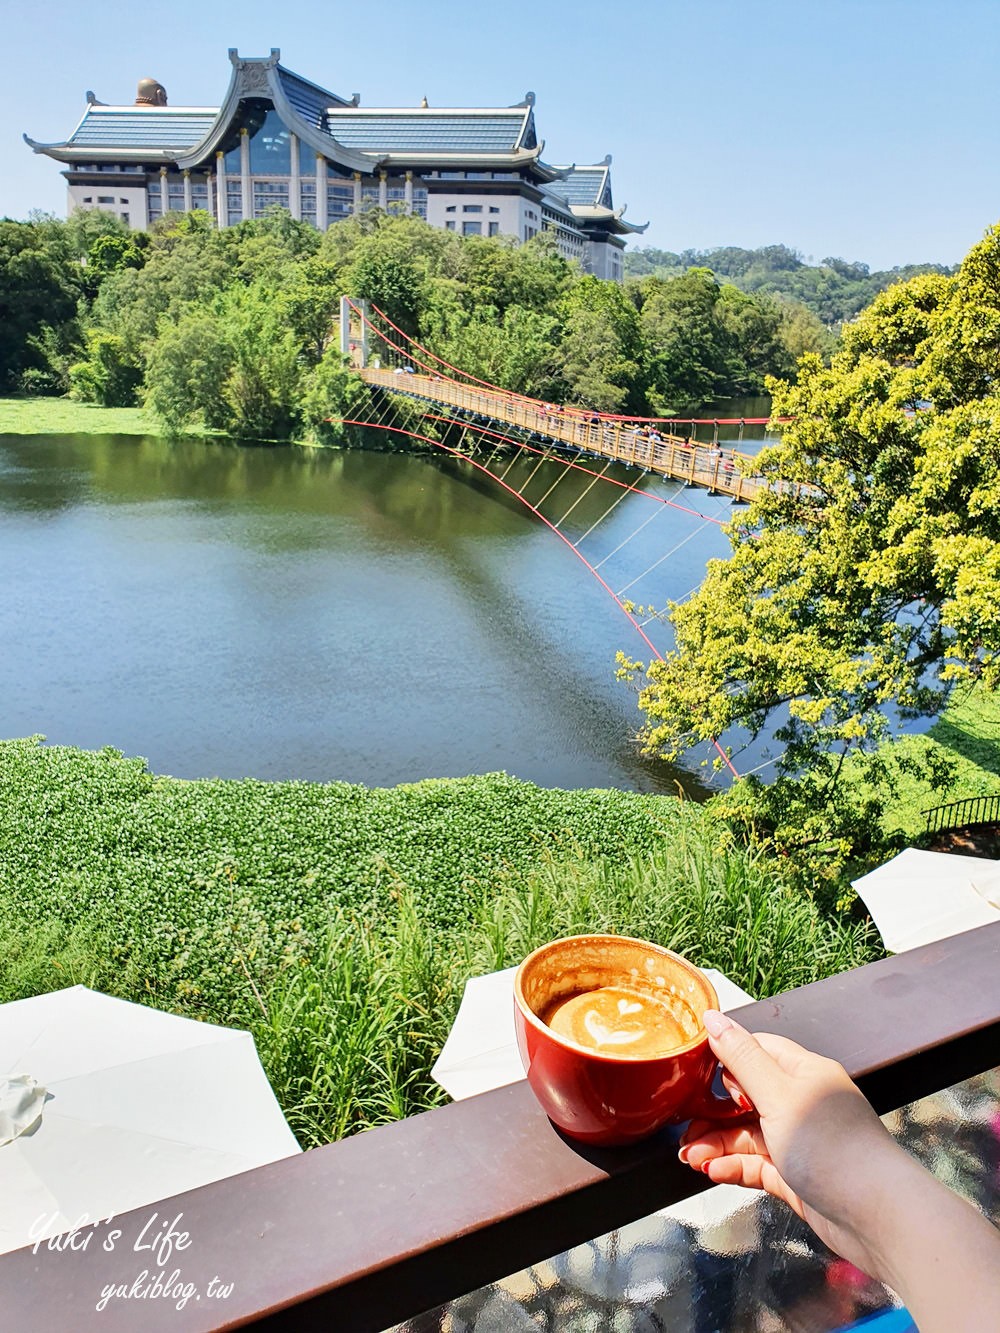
863, 593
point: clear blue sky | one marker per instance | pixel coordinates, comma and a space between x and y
866, 129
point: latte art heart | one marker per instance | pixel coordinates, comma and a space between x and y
616, 1020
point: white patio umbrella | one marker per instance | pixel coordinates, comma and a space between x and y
107, 1106
919, 897
481, 1050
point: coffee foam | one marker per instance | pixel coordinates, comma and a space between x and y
623, 1020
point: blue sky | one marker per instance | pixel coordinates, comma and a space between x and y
866, 129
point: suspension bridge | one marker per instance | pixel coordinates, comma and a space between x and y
492, 430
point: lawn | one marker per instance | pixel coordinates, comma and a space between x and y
64, 416
968, 735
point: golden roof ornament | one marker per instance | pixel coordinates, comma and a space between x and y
150, 93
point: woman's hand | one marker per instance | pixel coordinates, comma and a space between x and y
813, 1140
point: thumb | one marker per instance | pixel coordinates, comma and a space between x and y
743, 1056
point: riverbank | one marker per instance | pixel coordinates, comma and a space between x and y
65, 416
339, 923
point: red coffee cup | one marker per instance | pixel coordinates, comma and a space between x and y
603, 1098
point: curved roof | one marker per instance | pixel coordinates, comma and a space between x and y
472, 130
587, 191
131, 131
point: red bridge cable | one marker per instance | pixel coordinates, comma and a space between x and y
577, 411
568, 462
456, 453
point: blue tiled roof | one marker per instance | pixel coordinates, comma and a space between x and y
142, 127
556, 200
437, 132
583, 186
308, 99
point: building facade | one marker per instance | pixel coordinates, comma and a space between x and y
279, 139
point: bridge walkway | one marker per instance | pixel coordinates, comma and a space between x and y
725, 471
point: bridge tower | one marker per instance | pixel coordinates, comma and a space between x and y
354, 332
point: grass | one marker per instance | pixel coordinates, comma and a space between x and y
64, 416
967, 736
340, 923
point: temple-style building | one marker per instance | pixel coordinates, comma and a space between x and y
279, 139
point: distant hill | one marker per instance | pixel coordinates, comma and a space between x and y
834, 289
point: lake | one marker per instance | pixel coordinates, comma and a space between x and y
317, 614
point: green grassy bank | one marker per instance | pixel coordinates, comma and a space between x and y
967, 737
340, 923
64, 416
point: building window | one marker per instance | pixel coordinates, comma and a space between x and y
449, 208
125, 219
494, 210
452, 176
105, 198
472, 208
449, 225
472, 229
478, 175
268, 193
494, 228
89, 199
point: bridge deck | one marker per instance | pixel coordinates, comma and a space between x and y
721, 470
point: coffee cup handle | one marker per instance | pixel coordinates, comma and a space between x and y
711, 1106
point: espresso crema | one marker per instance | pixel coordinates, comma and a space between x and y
614, 1020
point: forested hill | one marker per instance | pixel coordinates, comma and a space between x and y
834, 289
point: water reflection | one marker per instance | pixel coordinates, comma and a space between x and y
317, 614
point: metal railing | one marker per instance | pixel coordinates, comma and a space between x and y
725, 471
367, 1232
959, 814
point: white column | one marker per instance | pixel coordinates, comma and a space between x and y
246, 189
187, 191
357, 192
221, 198
164, 193
294, 186
321, 213
408, 192
383, 192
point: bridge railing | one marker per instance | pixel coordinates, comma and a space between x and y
724, 470
377, 1228
957, 814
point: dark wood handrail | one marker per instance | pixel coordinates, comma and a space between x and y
966, 811
376, 1228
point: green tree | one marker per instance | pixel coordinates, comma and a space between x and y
686, 343
601, 351
38, 288
861, 592
188, 367
109, 374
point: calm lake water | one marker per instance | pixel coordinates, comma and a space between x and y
289, 613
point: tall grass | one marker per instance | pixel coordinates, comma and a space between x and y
350, 1034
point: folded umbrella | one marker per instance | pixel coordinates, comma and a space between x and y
106, 1106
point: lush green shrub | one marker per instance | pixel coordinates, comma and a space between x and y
110, 374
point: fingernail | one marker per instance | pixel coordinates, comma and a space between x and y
683, 1155
705, 1165
715, 1022
743, 1101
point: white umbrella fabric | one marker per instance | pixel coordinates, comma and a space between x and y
919, 897
481, 1050
132, 1105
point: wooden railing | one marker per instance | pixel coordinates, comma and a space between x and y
725, 471
957, 814
367, 1232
